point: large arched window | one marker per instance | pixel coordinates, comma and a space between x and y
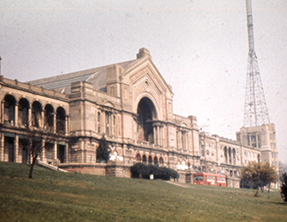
230, 155
107, 115
144, 159
49, 117
61, 120
155, 160
23, 112
150, 160
146, 114
99, 122
138, 157
36, 114
234, 156
9, 110
225, 155
161, 161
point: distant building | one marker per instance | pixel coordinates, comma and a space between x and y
131, 104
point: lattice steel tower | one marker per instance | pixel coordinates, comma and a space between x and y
255, 110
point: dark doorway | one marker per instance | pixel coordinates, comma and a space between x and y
9, 146
23, 145
61, 153
146, 114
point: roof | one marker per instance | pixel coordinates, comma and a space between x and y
95, 76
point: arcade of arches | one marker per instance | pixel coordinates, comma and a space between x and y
26, 113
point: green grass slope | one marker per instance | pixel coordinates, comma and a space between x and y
55, 196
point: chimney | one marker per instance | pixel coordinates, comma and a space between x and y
143, 52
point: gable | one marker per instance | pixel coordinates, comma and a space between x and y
143, 80
145, 67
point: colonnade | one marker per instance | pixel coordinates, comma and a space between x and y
13, 148
34, 115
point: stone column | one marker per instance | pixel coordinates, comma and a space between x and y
163, 135
187, 141
234, 157
2, 145
154, 135
55, 150
158, 135
179, 139
66, 125
16, 149
29, 117
16, 114
230, 156
42, 119
54, 122
2, 111
43, 155
67, 153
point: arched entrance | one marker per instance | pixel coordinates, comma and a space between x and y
23, 112
9, 110
145, 115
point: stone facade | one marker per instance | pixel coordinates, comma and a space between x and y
132, 105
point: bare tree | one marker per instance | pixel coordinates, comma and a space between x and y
36, 140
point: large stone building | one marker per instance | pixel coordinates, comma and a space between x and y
131, 104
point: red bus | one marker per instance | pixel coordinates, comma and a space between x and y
209, 179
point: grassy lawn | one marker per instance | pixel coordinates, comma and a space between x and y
55, 196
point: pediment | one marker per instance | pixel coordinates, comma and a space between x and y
147, 72
109, 104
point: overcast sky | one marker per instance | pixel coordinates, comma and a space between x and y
199, 46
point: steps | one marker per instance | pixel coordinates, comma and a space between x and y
51, 167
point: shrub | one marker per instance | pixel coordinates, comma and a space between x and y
284, 187
140, 170
103, 151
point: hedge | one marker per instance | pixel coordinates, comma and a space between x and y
140, 170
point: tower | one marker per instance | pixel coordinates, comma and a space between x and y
257, 132
255, 110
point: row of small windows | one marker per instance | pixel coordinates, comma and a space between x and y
149, 160
33, 115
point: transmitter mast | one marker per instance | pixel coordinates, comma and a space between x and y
255, 109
